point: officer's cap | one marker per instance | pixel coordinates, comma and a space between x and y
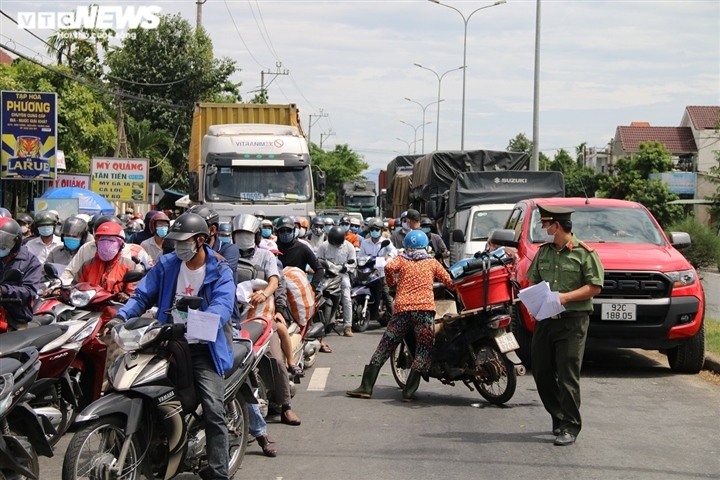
554, 214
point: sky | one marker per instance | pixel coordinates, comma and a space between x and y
602, 64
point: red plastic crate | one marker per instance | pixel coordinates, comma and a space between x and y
471, 288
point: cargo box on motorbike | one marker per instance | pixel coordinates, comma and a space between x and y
484, 283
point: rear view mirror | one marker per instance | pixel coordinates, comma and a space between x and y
50, 271
457, 236
194, 187
680, 239
503, 238
133, 276
320, 181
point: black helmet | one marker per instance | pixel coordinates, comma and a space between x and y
345, 219
188, 225
25, 218
336, 236
11, 235
168, 246
317, 221
124, 218
76, 227
93, 221
426, 222
45, 218
210, 216
285, 222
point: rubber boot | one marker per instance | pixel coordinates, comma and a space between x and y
369, 377
411, 385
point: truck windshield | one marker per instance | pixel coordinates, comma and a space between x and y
608, 225
264, 184
356, 201
484, 222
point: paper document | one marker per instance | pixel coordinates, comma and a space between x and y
202, 325
243, 292
380, 263
540, 301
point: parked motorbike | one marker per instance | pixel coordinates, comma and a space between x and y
139, 425
19, 453
474, 346
366, 291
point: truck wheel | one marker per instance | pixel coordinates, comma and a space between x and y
523, 336
689, 356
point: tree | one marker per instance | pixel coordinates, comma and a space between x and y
175, 65
631, 182
340, 165
715, 199
520, 144
563, 162
580, 154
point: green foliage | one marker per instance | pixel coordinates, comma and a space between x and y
563, 162
522, 144
712, 335
705, 248
144, 142
715, 178
582, 180
631, 182
86, 124
340, 165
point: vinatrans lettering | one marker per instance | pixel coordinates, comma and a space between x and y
93, 17
254, 144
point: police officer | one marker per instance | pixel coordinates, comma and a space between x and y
573, 269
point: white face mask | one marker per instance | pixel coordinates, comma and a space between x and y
244, 240
405, 226
545, 236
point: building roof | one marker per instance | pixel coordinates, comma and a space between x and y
675, 139
5, 58
704, 118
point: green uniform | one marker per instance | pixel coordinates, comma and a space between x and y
558, 344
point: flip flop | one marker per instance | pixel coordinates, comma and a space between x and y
325, 349
296, 371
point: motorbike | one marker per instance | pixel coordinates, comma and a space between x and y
141, 425
365, 292
19, 453
329, 311
474, 346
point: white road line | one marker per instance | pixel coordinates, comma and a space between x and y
318, 380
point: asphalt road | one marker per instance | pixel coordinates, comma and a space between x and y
711, 285
641, 421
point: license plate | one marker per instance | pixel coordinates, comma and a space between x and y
507, 342
619, 311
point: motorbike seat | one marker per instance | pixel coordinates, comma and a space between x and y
254, 329
42, 319
9, 365
240, 351
32, 337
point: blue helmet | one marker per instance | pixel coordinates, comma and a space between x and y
415, 239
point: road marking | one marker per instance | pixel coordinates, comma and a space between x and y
318, 380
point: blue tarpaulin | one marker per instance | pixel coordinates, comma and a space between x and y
89, 202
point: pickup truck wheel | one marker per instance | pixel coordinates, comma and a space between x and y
689, 356
523, 336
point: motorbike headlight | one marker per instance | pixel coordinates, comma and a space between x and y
682, 278
6, 392
85, 331
131, 340
81, 298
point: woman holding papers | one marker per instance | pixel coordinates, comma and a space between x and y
572, 269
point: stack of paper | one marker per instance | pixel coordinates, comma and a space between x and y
540, 301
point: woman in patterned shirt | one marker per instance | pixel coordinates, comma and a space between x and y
414, 273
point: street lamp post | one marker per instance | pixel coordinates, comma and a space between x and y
423, 109
466, 20
439, 77
416, 129
405, 142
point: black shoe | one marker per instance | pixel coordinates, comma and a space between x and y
564, 439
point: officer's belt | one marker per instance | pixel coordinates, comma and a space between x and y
571, 315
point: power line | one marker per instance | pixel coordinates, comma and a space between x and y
266, 30
147, 84
262, 35
16, 43
240, 35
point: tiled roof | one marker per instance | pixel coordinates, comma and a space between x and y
5, 58
704, 118
675, 139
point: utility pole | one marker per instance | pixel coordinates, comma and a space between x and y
310, 122
535, 160
330, 132
198, 19
121, 149
275, 74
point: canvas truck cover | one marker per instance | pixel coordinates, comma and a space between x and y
511, 186
436, 171
401, 191
394, 165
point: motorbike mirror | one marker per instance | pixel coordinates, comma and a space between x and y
188, 301
50, 271
136, 260
138, 322
12, 276
133, 276
385, 243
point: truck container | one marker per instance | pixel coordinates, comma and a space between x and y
359, 196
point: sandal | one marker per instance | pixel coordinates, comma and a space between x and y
296, 371
325, 349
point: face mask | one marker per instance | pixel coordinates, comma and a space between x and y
296, 232
374, 234
354, 229
327, 228
224, 239
545, 236
71, 243
286, 237
108, 248
303, 232
426, 229
185, 250
317, 230
4, 252
161, 231
397, 229
24, 230
244, 240
345, 227
405, 226
46, 230
266, 232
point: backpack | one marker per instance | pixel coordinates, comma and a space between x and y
246, 270
180, 371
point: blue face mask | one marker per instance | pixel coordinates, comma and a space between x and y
345, 227
398, 229
354, 229
296, 232
71, 243
4, 252
327, 228
266, 232
224, 239
161, 231
46, 231
375, 233
286, 237
426, 229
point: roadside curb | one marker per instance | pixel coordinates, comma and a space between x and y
712, 363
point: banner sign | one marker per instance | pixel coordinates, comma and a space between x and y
677, 182
28, 125
80, 180
120, 179
66, 207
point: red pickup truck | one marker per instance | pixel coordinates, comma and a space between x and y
652, 297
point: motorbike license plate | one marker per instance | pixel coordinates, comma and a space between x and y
618, 311
507, 342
